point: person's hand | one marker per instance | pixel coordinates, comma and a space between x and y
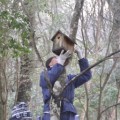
63, 56
78, 51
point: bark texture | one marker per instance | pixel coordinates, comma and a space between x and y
115, 43
3, 89
75, 19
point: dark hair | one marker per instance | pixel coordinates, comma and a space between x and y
48, 62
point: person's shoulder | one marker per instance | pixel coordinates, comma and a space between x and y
83, 59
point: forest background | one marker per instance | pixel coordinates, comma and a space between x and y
26, 27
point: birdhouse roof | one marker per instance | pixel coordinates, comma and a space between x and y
63, 35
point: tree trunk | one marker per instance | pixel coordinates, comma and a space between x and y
73, 32
75, 19
115, 40
25, 69
3, 89
24, 82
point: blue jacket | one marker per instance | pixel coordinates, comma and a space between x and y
20, 111
53, 74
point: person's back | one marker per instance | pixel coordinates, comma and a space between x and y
21, 112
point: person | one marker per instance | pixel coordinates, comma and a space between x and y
56, 68
21, 112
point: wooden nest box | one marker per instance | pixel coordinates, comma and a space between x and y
62, 42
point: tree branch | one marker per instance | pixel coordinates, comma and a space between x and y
109, 107
35, 48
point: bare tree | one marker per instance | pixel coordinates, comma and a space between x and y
115, 41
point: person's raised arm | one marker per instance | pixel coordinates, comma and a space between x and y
83, 64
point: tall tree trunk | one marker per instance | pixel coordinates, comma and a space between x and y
73, 32
25, 82
115, 40
75, 19
3, 89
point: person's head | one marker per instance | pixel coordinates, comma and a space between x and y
51, 62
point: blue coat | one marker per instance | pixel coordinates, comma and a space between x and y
53, 74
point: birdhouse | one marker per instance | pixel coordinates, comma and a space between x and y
62, 42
